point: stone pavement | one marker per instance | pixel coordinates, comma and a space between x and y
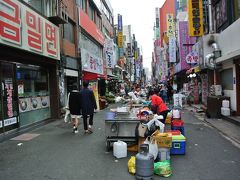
228, 130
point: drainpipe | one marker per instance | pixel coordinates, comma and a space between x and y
211, 31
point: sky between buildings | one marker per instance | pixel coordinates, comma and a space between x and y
141, 15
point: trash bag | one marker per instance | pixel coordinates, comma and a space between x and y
153, 147
132, 165
163, 168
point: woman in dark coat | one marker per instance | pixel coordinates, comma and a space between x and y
88, 104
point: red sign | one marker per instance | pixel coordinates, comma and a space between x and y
91, 28
23, 28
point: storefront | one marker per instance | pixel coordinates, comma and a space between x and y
28, 67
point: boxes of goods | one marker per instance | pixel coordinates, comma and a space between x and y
225, 103
176, 113
164, 140
178, 145
173, 132
178, 125
163, 154
168, 119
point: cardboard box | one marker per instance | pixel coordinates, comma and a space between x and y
164, 140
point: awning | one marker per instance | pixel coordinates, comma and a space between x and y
92, 76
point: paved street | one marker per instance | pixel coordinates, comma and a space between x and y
57, 154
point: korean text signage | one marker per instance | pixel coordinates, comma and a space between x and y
23, 28
120, 32
195, 15
192, 58
129, 49
172, 50
109, 53
170, 25
91, 63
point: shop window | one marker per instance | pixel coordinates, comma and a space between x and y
68, 32
227, 79
32, 81
36, 4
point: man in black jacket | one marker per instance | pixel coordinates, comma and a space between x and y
88, 104
74, 104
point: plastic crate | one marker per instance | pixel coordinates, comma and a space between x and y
174, 132
177, 123
178, 145
179, 128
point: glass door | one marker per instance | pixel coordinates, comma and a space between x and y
8, 99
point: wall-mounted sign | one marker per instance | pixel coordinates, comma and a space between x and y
10, 121
25, 29
91, 63
120, 39
172, 50
192, 57
108, 47
170, 25
120, 22
195, 17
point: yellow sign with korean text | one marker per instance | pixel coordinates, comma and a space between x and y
170, 25
195, 17
120, 39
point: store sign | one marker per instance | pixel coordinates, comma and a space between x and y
120, 39
120, 23
192, 58
108, 46
91, 63
88, 25
129, 49
195, 17
25, 29
172, 50
10, 121
9, 91
170, 25
185, 42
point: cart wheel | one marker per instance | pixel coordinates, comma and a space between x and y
108, 146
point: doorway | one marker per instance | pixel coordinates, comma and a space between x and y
8, 100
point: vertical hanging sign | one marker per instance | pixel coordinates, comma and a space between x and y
195, 17
170, 25
172, 50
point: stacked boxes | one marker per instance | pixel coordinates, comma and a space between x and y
178, 125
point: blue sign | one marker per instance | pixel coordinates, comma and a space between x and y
120, 23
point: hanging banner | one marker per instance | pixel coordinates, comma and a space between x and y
93, 85
108, 46
172, 50
23, 28
195, 17
170, 25
91, 63
120, 39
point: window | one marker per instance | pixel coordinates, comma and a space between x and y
227, 79
34, 80
91, 13
36, 4
90, 46
83, 5
68, 32
98, 22
237, 9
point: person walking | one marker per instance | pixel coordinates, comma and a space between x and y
88, 104
158, 105
74, 105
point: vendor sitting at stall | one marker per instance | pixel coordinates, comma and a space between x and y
157, 105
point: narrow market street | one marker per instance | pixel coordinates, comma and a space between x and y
58, 154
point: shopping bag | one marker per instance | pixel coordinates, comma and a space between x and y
142, 129
163, 168
132, 165
153, 148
